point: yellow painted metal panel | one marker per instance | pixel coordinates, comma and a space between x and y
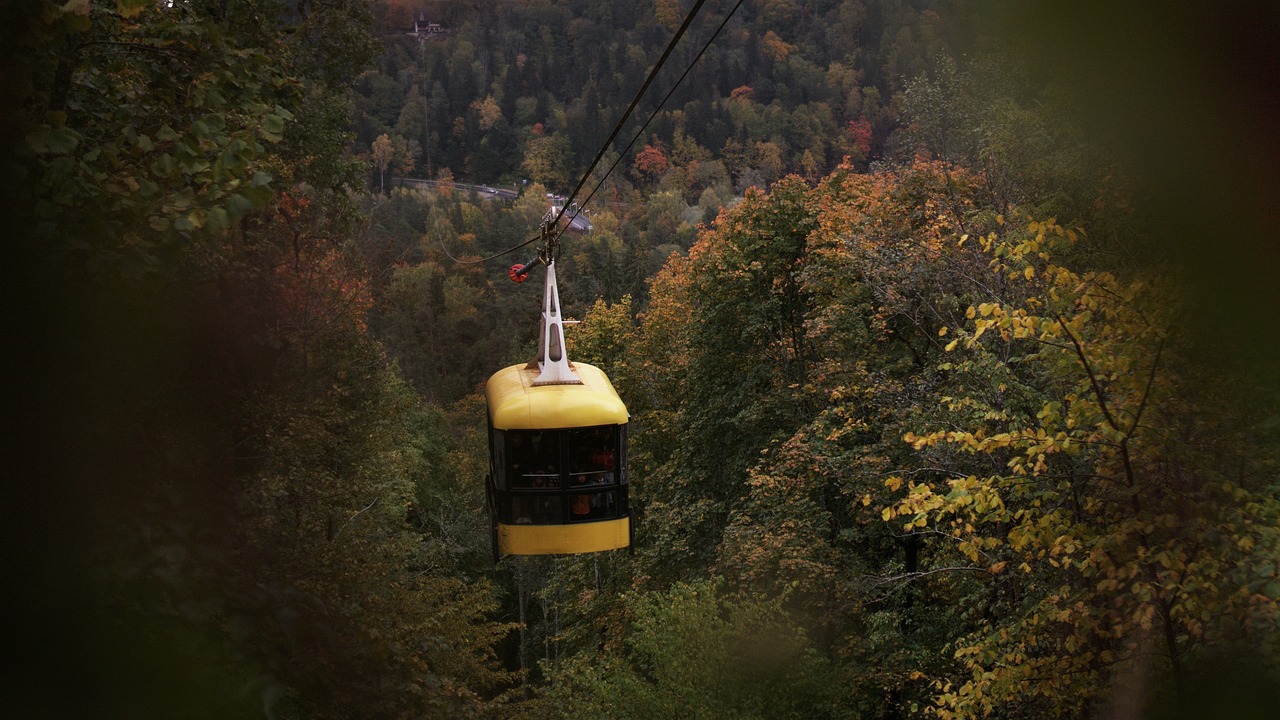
563, 539
516, 404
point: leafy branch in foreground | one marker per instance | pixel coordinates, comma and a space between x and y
1131, 523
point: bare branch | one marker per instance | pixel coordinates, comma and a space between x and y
926, 573
357, 514
1146, 391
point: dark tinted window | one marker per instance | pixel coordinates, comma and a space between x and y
521, 509
550, 477
593, 456
533, 459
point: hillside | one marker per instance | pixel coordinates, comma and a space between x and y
946, 331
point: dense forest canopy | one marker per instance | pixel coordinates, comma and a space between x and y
946, 330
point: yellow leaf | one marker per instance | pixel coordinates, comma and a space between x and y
995, 569
1029, 273
130, 8
952, 345
942, 331
886, 514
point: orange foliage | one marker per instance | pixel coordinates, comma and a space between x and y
651, 161
775, 48
860, 133
320, 288
742, 94
667, 14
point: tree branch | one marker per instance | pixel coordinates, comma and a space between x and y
1146, 391
357, 514
926, 573
1088, 370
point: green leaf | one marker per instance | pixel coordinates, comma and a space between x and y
258, 196
194, 164
273, 126
182, 199
1273, 589
164, 166
53, 141
238, 205
230, 161
217, 220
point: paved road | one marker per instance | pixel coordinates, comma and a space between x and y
484, 192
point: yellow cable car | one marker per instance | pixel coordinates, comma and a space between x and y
557, 446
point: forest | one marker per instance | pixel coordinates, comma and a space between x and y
947, 332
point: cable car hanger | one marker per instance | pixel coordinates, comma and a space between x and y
552, 359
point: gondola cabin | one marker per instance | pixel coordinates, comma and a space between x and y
557, 446
558, 471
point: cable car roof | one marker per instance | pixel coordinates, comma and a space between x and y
516, 404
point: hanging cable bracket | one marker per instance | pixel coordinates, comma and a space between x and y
546, 253
552, 361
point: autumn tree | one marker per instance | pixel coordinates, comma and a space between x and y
651, 162
747, 357
141, 172
546, 160
696, 649
240, 460
383, 152
1120, 521
877, 281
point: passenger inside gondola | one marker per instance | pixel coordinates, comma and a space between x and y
592, 459
533, 461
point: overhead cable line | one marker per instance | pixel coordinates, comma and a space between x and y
512, 249
627, 115
658, 109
